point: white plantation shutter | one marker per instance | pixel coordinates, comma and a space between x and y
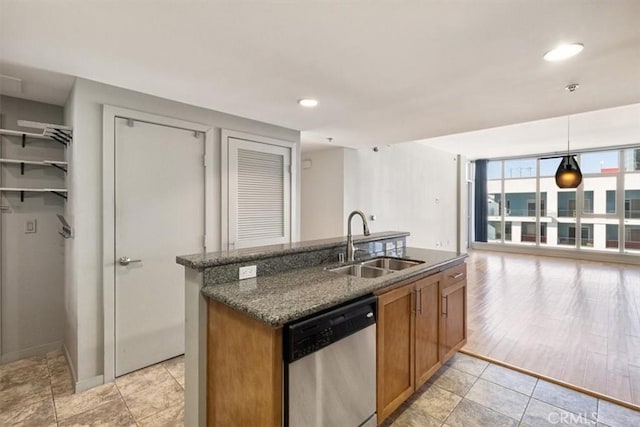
259, 194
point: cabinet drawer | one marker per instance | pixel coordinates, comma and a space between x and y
454, 275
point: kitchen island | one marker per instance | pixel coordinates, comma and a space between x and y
233, 356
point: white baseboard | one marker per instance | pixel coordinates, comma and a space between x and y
88, 383
85, 384
30, 352
74, 377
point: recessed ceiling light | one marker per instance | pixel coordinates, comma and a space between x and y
563, 51
308, 102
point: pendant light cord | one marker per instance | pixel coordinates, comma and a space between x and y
568, 134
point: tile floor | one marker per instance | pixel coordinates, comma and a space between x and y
38, 392
469, 392
466, 392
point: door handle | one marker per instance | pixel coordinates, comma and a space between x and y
125, 260
419, 295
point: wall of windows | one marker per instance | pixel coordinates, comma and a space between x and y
525, 206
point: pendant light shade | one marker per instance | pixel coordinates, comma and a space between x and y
568, 174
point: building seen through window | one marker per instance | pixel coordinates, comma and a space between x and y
525, 206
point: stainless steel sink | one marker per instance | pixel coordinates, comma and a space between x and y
375, 267
388, 263
360, 270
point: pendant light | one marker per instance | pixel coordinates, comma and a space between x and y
569, 174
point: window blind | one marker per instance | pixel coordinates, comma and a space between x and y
261, 204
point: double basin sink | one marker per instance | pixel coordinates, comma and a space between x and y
375, 267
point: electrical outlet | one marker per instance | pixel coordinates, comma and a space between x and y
248, 272
31, 226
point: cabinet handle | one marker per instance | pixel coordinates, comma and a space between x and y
457, 276
420, 299
445, 310
414, 302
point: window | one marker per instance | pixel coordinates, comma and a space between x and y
632, 204
632, 160
567, 204
566, 234
548, 167
587, 205
586, 235
600, 162
611, 201
494, 231
518, 204
632, 237
520, 168
507, 231
612, 236
493, 205
494, 170
528, 232
526, 207
543, 232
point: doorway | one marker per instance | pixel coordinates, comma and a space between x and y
157, 195
159, 199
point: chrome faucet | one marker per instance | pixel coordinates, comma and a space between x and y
351, 249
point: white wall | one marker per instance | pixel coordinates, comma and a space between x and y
85, 110
31, 265
408, 187
322, 196
70, 293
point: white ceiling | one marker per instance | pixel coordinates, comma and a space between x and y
384, 71
611, 127
34, 84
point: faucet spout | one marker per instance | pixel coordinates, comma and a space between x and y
351, 250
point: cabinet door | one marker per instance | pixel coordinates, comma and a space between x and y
427, 320
395, 344
453, 312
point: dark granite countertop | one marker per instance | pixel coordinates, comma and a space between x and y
281, 298
212, 259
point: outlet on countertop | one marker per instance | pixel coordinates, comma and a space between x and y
247, 272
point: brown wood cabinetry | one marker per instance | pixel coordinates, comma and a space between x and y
421, 324
427, 314
244, 370
395, 349
453, 317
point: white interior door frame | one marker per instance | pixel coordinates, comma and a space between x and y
109, 115
224, 178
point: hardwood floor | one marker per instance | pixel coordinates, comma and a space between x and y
574, 321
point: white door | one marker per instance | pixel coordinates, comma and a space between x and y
159, 213
259, 194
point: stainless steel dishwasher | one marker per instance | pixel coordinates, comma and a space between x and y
331, 368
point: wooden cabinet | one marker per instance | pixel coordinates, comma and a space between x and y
453, 312
427, 316
244, 370
407, 341
421, 324
395, 349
